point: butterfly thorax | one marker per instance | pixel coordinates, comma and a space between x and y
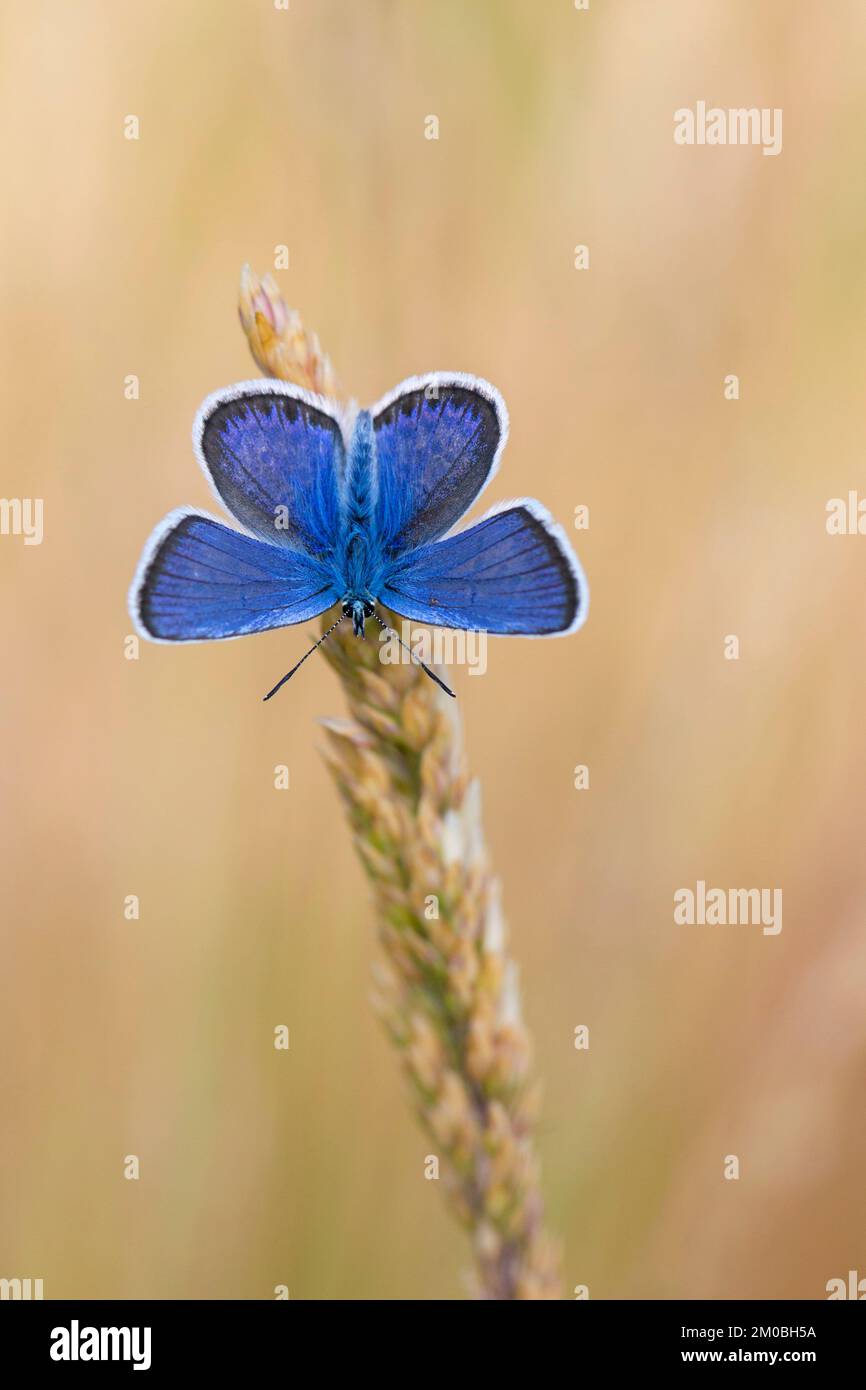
357, 559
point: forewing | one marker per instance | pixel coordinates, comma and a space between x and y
200, 580
275, 456
438, 441
512, 573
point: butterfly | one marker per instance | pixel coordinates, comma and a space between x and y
355, 507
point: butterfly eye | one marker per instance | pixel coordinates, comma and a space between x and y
368, 610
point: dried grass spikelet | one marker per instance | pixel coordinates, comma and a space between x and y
446, 989
278, 340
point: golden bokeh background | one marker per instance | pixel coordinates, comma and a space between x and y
260, 127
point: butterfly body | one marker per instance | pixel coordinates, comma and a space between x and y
355, 510
359, 564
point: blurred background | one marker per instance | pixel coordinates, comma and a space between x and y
154, 777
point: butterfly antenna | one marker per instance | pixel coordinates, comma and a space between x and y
424, 667
289, 674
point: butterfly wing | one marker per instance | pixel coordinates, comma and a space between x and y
514, 572
438, 442
201, 580
274, 455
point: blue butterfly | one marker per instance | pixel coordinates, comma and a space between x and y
355, 507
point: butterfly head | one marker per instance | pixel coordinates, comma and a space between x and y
358, 610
